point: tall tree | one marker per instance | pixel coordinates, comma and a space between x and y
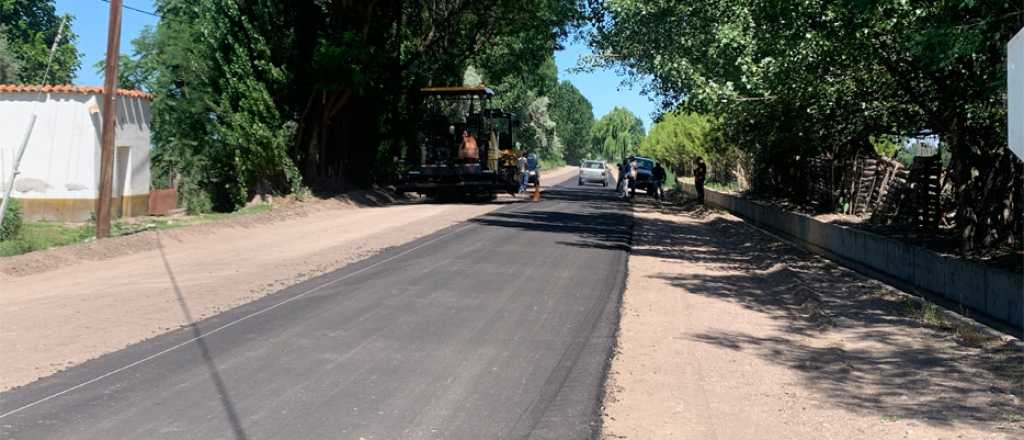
255, 94
9, 65
801, 79
136, 70
574, 117
677, 138
617, 134
31, 27
525, 94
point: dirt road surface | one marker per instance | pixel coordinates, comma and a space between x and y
727, 333
67, 306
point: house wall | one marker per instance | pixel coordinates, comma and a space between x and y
60, 170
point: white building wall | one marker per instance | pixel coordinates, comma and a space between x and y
132, 131
59, 160
62, 158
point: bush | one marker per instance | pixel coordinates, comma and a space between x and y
194, 198
12, 221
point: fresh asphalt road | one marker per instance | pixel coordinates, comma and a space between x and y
500, 327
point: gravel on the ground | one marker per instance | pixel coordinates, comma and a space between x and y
728, 333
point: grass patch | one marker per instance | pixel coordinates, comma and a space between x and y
931, 315
551, 164
40, 235
723, 186
711, 184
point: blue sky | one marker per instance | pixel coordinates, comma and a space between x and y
91, 27
603, 88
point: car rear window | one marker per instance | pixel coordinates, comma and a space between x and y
593, 165
645, 164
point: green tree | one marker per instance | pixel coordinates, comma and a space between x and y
792, 80
885, 146
525, 94
677, 139
9, 65
574, 118
30, 27
617, 134
136, 71
263, 94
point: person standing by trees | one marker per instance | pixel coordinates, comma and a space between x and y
658, 174
700, 172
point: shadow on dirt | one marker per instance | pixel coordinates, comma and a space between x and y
892, 365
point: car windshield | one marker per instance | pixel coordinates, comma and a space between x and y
644, 164
593, 165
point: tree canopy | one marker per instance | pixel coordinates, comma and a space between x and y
30, 27
616, 134
260, 95
9, 65
574, 117
818, 78
677, 138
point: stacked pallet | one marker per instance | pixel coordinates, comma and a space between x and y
920, 207
863, 181
819, 174
890, 192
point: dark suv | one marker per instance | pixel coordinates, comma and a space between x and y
644, 176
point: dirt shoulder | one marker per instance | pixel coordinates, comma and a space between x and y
727, 333
65, 306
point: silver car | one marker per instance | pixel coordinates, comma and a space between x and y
594, 171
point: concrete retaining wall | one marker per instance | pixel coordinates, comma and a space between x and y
993, 292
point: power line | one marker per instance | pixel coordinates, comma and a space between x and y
142, 11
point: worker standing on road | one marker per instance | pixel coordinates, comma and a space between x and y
623, 187
632, 165
523, 172
627, 175
700, 172
658, 174
622, 178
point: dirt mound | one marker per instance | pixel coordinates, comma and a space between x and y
285, 208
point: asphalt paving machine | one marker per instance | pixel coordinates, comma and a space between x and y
464, 146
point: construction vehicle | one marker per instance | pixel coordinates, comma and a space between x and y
464, 147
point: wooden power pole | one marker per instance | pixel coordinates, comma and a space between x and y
109, 107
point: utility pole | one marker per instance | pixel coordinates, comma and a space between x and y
109, 107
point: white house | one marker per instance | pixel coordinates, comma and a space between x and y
59, 174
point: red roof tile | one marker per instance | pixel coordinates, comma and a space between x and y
68, 88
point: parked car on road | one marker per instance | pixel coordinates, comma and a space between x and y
644, 176
595, 171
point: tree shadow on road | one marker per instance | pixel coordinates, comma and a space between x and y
849, 342
594, 222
